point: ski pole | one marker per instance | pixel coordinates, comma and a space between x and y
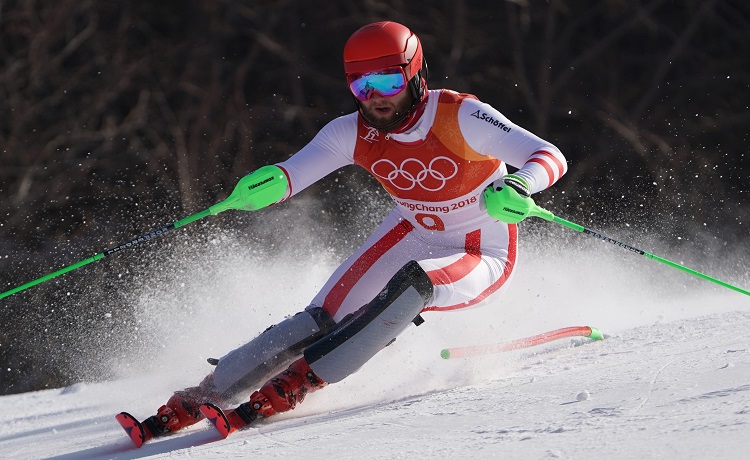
477, 350
107, 252
247, 195
542, 213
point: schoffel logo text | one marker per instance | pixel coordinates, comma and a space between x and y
486, 117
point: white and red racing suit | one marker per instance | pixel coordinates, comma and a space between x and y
435, 172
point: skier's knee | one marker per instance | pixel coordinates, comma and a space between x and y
360, 336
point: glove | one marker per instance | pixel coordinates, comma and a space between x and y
510, 200
259, 189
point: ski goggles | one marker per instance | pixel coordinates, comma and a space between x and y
386, 82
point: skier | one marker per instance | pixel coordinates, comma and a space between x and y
449, 242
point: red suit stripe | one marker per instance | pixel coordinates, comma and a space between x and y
462, 266
512, 253
336, 297
290, 192
544, 158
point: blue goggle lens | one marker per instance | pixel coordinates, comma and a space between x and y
386, 82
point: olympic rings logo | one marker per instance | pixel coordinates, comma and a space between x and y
413, 172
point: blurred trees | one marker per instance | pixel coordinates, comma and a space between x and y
121, 116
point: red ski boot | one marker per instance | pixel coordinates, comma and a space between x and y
282, 393
182, 410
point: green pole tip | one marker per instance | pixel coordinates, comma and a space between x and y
445, 353
596, 334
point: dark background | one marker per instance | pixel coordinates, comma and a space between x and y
118, 117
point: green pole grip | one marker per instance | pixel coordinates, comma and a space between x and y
259, 189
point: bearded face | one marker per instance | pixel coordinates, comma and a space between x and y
383, 112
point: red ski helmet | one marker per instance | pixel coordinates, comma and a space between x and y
383, 44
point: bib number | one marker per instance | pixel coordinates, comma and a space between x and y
430, 222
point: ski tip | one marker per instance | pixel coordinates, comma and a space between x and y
132, 427
217, 418
596, 334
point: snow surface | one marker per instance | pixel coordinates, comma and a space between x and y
672, 379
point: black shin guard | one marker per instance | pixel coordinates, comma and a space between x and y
359, 337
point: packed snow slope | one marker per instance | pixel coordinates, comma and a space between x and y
671, 380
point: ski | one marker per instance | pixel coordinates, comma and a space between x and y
132, 427
477, 350
218, 419
225, 423
229, 421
